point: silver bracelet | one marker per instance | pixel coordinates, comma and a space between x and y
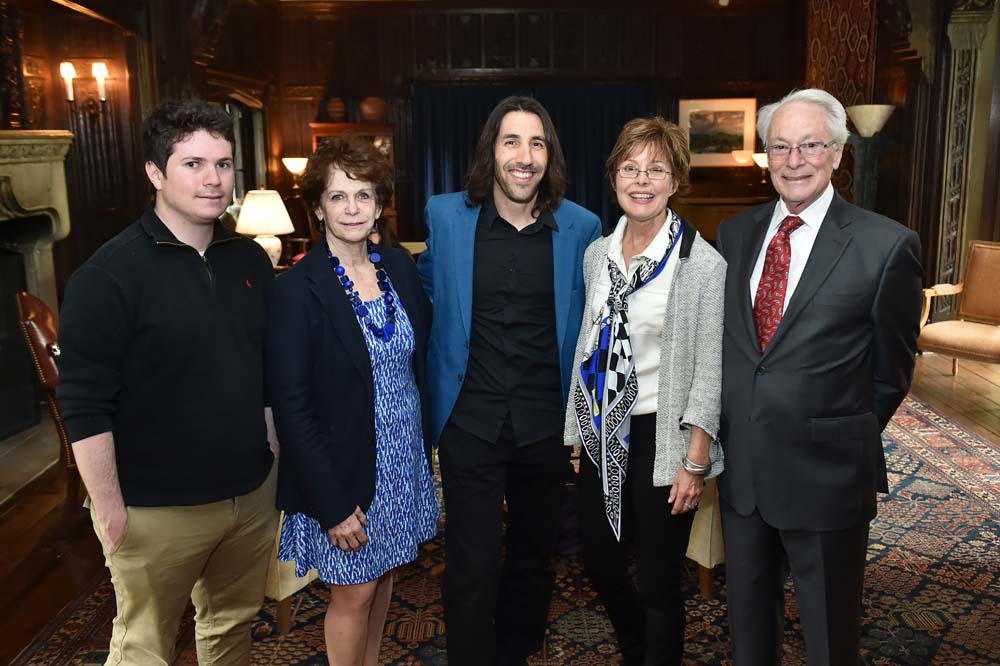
695, 468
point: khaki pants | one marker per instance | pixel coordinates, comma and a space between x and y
217, 554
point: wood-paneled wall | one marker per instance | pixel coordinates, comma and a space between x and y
295, 57
103, 186
687, 49
154, 49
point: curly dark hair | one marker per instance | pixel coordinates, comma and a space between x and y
175, 120
482, 171
358, 158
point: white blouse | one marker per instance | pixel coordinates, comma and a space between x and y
647, 308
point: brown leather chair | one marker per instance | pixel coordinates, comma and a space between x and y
974, 334
40, 330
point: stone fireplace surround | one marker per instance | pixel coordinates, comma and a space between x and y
34, 207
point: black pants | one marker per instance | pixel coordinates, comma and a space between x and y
649, 622
828, 570
495, 616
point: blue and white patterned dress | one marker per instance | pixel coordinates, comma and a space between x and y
404, 511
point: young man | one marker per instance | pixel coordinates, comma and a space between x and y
821, 322
162, 392
503, 269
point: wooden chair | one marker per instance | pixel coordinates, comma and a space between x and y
975, 332
40, 329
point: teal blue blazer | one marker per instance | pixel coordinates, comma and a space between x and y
446, 272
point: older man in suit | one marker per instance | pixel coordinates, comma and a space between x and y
821, 323
503, 269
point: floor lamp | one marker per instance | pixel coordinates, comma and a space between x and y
868, 120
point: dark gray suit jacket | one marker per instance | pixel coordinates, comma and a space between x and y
801, 423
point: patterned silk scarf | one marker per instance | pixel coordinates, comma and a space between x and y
608, 389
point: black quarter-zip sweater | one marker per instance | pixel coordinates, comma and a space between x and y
164, 348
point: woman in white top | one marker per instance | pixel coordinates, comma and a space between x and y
645, 397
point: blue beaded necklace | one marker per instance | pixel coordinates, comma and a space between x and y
383, 333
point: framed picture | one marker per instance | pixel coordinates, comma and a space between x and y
716, 127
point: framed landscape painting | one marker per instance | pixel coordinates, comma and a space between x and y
716, 127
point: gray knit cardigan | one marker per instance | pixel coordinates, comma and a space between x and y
689, 391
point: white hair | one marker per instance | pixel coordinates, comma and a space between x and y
836, 116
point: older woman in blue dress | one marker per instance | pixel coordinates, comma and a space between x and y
645, 400
345, 356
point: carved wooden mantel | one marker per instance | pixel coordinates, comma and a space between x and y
34, 206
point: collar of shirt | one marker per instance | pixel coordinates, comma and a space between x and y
489, 214
654, 251
812, 216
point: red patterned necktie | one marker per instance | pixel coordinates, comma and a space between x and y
770, 301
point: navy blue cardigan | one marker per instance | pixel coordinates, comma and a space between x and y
320, 381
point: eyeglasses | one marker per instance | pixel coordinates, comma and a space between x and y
653, 173
781, 151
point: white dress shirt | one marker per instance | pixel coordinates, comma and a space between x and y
646, 307
801, 241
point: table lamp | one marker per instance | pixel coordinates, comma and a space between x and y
264, 216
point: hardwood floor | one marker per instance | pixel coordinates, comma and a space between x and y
972, 397
49, 554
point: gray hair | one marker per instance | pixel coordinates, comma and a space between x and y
836, 116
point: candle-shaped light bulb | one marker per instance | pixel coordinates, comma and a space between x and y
68, 72
99, 70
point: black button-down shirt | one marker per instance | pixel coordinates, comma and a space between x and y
513, 353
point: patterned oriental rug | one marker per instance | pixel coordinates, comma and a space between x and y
933, 582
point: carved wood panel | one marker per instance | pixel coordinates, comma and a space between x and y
500, 35
431, 49
466, 34
535, 38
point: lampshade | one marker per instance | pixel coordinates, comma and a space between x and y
742, 156
760, 159
263, 212
295, 165
263, 215
868, 119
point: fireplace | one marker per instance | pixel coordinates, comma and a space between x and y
34, 213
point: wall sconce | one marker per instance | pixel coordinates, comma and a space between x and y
99, 70
296, 166
263, 215
68, 72
868, 119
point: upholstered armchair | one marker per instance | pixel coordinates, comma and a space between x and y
974, 334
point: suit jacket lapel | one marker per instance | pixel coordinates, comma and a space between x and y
327, 289
826, 252
463, 255
564, 269
751, 250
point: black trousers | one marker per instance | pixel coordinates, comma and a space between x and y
497, 615
648, 621
828, 570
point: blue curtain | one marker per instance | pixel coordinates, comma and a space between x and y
447, 120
